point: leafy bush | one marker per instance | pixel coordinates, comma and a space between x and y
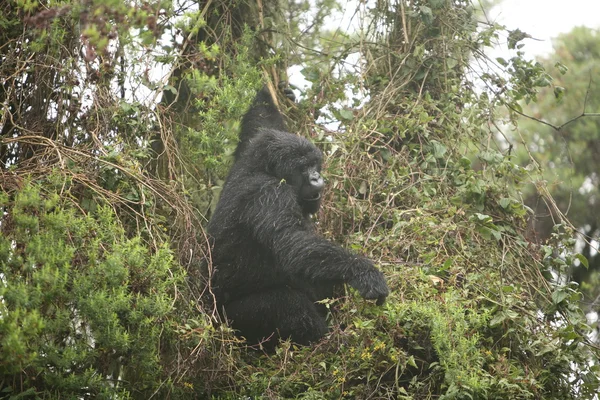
85, 311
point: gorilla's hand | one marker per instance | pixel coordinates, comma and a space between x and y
370, 282
287, 91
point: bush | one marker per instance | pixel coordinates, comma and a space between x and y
84, 309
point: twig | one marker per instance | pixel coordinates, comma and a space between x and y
558, 128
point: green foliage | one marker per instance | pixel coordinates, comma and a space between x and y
93, 301
416, 183
84, 311
561, 137
220, 107
207, 142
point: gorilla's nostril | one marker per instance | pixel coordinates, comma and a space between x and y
315, 180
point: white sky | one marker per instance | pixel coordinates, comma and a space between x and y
545, 19
542, 19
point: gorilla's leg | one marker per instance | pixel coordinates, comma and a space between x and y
277, 313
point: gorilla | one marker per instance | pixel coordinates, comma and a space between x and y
270, 268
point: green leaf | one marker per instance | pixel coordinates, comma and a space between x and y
491, 157
498, 319
563, 69
346, 114
447, 264
508, 289
465, 162
583, 260
515, 37
543, 81
438, 149
497, 234
504, 202
485, 232
426, 15
483, 217
451, 63
517, 107
411, 361
559, 92
363, 188
558, 296
311, 74
386, 154
171, 89
435, 4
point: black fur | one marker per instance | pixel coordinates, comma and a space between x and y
269, 266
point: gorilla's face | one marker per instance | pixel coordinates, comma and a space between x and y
308, 184
292, 159
311, 188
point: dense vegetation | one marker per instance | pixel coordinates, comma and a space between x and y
560, 132
117, 125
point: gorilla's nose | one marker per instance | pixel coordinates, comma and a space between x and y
316, 181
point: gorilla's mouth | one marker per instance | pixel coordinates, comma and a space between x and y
317, 197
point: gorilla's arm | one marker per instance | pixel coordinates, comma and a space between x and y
276, 221
318, 259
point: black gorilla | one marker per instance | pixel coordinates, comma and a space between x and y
269, 266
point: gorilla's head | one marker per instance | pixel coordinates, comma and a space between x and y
293, 160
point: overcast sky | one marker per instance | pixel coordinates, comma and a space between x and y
546, 19
542, 19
